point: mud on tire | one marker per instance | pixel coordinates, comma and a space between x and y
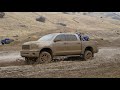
88, 55
44, 57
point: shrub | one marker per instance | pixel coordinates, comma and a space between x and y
2, 14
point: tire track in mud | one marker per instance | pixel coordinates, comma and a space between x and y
106, 58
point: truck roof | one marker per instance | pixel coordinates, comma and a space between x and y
63, 33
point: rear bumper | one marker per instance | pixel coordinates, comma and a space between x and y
29, 53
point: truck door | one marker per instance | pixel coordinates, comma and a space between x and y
59, 46
73, 44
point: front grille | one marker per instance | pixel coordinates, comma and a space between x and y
24, 47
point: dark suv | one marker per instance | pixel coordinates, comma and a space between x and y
6, 41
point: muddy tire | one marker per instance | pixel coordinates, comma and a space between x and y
88, 55
44, 57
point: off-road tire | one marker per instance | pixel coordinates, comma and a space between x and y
44, 57
88, 55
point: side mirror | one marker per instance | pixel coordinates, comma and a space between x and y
57, 40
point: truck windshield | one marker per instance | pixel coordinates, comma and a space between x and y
48, 37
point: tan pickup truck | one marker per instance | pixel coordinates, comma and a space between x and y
57, 44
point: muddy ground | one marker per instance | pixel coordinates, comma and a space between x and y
106, 63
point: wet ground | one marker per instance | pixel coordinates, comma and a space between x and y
106, 63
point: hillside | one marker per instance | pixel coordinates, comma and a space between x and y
22, 26
20, 22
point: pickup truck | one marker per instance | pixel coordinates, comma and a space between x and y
57, 44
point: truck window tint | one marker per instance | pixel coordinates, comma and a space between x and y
71, 38
60, 37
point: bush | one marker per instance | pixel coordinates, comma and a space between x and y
2, 14
84, 13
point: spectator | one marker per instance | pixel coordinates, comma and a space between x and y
83, 37
79, 34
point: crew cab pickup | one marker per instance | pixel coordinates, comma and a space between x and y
58, 44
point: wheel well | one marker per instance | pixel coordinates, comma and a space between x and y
89, 48
47, 50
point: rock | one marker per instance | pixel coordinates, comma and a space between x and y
41, 19
16, 36
84, 13
23, 26
62, 24
118, 33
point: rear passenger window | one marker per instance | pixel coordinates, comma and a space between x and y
71, 38
60, 37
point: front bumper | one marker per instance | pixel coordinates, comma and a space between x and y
29, 53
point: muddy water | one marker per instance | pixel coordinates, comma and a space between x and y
104, 53
7, 56
105, 63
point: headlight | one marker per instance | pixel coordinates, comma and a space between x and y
29, 47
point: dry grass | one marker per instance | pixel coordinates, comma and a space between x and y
24, 23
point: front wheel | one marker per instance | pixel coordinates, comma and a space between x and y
88, 55
44, 57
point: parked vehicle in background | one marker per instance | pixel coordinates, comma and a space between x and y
6, 41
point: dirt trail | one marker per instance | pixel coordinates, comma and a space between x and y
105, 64
8, 56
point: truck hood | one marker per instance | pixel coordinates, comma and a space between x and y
39, 43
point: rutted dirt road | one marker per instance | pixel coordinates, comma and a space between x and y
105, 64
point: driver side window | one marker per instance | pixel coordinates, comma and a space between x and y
60, 37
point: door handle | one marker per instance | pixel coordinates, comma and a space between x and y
78, 43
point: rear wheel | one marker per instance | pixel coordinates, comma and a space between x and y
44, 57
88, 55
